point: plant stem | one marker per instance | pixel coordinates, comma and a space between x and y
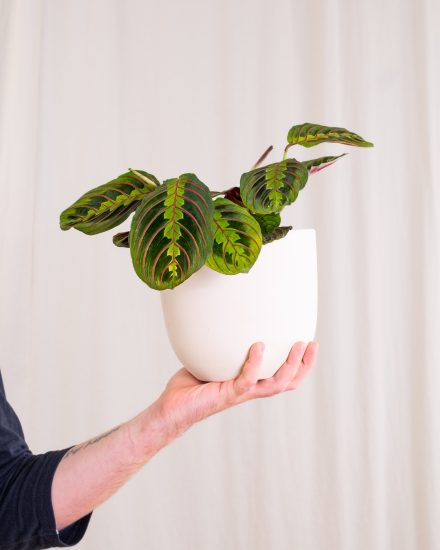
285, 150
142, 177
263, 156
217, 193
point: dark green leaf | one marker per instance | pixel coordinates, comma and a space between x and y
172, 232
268, 222
108, 205
122, 239
276, 234
270, 188
237, 239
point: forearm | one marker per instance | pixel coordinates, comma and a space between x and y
91, 472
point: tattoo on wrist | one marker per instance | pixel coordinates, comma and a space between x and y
78, 448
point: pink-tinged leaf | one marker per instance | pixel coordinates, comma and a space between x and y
316, 165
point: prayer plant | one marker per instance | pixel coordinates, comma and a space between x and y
180, 225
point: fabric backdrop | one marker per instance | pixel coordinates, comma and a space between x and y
91, 87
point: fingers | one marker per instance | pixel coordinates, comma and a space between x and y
249, 373
300, 360
284, 375
308, 361
288, 377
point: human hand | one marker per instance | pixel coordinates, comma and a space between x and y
186, 400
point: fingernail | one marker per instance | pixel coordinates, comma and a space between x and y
261, 347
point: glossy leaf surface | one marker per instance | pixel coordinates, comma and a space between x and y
108, 205
172, 232
237, 238
309, 135
270, 188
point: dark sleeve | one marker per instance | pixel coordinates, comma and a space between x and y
27, 519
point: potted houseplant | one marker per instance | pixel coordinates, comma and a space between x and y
246, 277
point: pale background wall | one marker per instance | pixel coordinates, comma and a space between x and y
90, 87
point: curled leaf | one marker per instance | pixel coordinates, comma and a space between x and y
276, 234
122, 239
315, 165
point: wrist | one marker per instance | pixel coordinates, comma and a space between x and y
148, 432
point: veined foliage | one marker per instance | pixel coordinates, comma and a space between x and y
171, 233
108, 205
237, 238
309, 135
177, 227
270, 188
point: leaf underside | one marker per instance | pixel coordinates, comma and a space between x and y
171, 233
316, 165
276, 234
122, 239
237, 239
270, 188
309, 135
108, 205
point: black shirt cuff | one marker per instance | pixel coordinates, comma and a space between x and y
72, 534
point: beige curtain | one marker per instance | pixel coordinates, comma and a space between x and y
90, 87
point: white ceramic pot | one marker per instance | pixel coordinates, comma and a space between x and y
212, 319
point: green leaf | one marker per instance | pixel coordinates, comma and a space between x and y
315, 165
122, 239
267, 222
270, 188
237, 239
108, 205
172, 232
309, 135
276, 234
